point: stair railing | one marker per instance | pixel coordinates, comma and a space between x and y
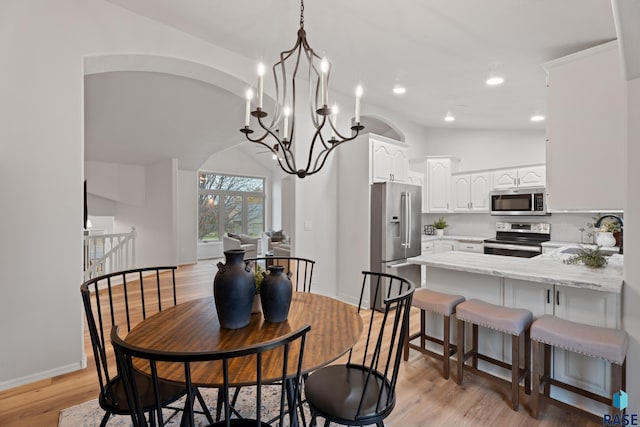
108, 253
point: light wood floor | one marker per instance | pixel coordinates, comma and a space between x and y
424, 398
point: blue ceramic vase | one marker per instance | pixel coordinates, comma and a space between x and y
233, 290
275, 294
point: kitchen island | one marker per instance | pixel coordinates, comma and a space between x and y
543, 285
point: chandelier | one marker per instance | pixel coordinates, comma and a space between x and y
278, 136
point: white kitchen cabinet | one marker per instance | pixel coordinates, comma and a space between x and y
389, 162
440, 246
592, 308
437, 192
427, 247
579, 305
469, 246
586, 130
531, 176
470, 192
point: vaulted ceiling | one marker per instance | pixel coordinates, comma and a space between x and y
442, 51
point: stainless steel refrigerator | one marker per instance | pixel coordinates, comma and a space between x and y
395, 233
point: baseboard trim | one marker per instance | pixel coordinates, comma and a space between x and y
39, 376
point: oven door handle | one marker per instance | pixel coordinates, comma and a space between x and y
513, 247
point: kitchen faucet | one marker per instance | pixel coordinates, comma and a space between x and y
598, 224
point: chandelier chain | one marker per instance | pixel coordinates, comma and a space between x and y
301, 13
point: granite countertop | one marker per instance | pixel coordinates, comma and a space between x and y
547, 268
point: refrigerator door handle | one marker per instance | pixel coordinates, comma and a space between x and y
408, 214
403, 224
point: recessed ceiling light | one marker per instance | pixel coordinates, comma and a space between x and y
495, 81
537, 118
449, 118
399, 90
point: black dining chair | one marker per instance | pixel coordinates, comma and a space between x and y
362, 391
285, 352
126, 298
301, 269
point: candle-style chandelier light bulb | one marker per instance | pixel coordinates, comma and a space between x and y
315, 73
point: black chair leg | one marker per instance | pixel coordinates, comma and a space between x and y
105, 419
204, 407
326, 423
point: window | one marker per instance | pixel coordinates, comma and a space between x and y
228, 203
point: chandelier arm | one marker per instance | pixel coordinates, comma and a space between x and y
316, 135
341, 138
262, 138
285, 150
325, 153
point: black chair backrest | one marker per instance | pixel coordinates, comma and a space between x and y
123, 298
383, 347
301, 269
289, 349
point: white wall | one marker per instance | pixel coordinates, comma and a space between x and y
484, 148
631, 290
156, 220
187, 217
42, 142
117, 182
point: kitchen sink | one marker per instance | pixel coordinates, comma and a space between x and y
603, 251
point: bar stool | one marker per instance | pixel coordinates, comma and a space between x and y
512, 321
438, 303
594, 341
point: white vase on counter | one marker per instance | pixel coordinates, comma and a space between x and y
439, 232
605, 239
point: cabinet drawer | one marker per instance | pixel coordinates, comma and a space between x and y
469, 246
427, 247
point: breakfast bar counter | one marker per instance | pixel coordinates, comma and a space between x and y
547, 268
542, 285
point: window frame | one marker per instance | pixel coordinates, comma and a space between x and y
244, 195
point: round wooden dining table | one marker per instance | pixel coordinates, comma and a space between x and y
193, 326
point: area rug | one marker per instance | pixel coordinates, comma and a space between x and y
89, 414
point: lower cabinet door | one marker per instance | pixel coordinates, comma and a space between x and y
592, 308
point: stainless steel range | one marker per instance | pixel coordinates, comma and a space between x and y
521, 239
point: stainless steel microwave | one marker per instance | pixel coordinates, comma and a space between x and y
519, 201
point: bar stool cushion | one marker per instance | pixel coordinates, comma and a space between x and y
512, 321
594, 341
436, 302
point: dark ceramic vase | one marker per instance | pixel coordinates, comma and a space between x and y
276, 294
233, 290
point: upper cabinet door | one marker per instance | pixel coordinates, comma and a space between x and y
461, 193
439, 184
390, 163
507, 178
470, 193
400, 164
535, 176
382, 162
480, 185
531, 176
